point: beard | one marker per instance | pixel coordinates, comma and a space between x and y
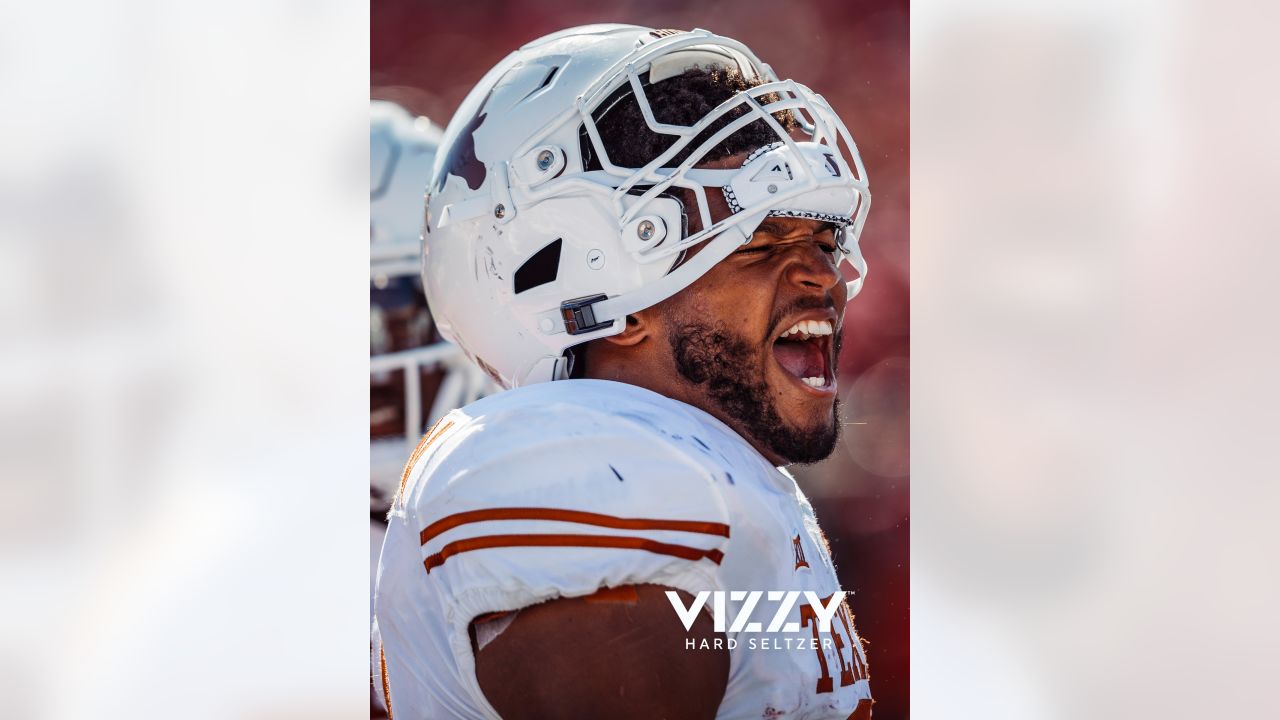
734, 376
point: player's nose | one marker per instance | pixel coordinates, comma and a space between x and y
812, 267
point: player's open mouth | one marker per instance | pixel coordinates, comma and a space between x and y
803, 351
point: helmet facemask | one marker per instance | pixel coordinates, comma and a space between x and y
803, 164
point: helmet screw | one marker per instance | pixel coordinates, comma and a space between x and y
544, 159
645, 230
499, 211
773, 188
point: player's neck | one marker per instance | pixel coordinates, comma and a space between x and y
670, 383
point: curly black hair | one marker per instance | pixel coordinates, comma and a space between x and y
683, 99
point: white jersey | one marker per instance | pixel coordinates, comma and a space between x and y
561, 489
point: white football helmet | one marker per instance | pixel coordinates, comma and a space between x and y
530, 249
415, 377
402, 149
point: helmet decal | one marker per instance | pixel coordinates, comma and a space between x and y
831, 163
462, 160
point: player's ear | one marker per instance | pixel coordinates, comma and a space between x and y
638, 327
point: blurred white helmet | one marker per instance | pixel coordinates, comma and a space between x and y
415, 376
402, 149
536, 242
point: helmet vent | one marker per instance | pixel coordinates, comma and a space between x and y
551, 75
541, 268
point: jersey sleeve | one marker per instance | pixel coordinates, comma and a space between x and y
532, 511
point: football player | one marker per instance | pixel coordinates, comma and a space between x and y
643, 236
415, 376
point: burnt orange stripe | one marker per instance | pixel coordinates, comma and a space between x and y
426, 440
626, 594
386, 684
573, 516
481, 619
613, 541
417, 451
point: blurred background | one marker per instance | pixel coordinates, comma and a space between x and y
183, 394
1095, 344
185, 374
426, 56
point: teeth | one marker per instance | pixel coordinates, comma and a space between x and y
810, 327
816, 382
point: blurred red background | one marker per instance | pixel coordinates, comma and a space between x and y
427, 54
